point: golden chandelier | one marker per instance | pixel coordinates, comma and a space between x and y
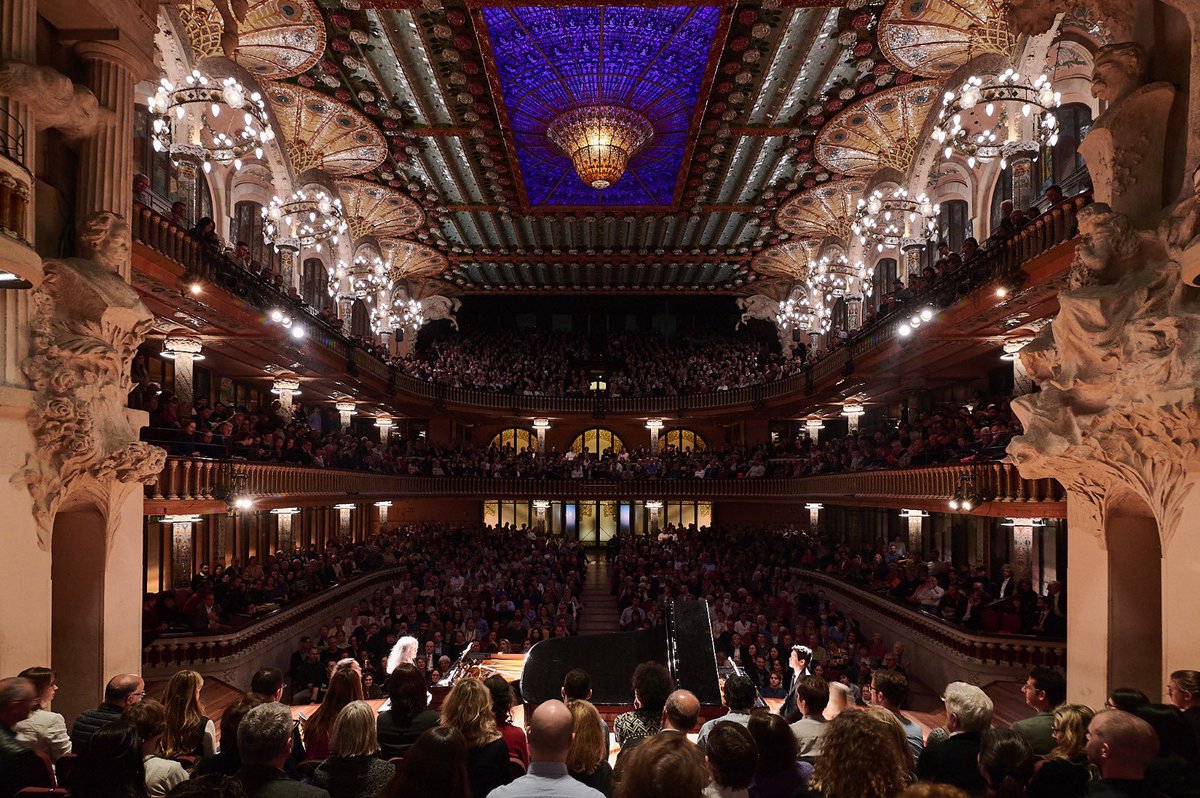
600, 140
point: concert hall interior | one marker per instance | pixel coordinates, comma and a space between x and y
506, 398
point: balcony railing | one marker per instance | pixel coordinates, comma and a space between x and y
196, 479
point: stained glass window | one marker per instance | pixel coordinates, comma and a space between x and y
597, 441
682, 439
516, 438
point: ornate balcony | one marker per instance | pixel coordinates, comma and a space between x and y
200, 485
17, 255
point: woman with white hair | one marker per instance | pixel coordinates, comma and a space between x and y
956, 760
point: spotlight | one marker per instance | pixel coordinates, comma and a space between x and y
195, 288
926, 314
954, 504
905, 330
242, 503
1001, 292
276, 315
297, 332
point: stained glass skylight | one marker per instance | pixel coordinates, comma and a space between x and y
550, 59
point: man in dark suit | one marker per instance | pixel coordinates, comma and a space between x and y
264, 740
1044, 690
1006, 586
956, 759
800, 660
19, 766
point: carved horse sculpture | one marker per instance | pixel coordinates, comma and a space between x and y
441, 307
757, 307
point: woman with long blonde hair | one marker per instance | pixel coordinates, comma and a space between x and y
861, 757
353, 770
468, 709
587, 759
1065, 772
344, 686
188, 732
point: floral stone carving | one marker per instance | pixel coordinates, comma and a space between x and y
1118, 369
85, 329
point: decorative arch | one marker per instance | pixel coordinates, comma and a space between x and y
518, 438
683, 439
597, 440
314, 283
360, 320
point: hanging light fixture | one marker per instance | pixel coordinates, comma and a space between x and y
245, 132
983, 115
600, 140
309, 217
836, 278
894, 218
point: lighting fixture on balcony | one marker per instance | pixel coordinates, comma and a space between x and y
309, 217
181, 345
541, 506
965, 498
384, 422
836, 278
180, 519
287, 385
383, 505
654, 505
286, 511
914, 321
914, 514
243, 503
245, 130
343, 506
349, 408
1032, 523
654, 425
540, 424
982, 118
600, 140
894, 218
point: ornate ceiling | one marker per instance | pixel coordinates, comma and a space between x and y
783, 105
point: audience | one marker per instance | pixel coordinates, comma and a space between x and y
436, 767
1006, 762
652, 684
111, 765
20, 767
1121, 746
228, 760
550, 733
44, 732
345, 686
740, 696
408, 716
503, 699
1044, 690
955, 759
1065, 771
664, 766
780, 773
732, 758
812, 694
1176, 769
188, 732
861, 758
264, 740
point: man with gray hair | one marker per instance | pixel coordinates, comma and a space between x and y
19, 766
264, 739
955, 760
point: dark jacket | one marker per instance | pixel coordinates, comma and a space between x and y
264, 781
599, 779
953, 761
1059, 778
87, 723
396, 737
19, 766
353, 776
487, 767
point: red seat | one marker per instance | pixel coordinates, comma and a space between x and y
64, 766
44, 792
1011, 623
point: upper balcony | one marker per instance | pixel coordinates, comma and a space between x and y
1024, 265
197, 485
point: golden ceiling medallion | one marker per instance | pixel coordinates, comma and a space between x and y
375, 210
789, 261
932, 38
277, 39
321, 133
824, 210
410, 259
878, 131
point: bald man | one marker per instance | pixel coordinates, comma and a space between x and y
550, 735
681, 712
122, 691
1121, 745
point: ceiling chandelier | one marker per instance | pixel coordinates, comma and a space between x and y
894, 219
836, 278
984, 115
367, 276
308, 218
600, 140
212, 139
803, 314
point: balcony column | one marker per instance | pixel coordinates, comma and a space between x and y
540, 506
383, 513
1021, 156
384, 425
345, 410
344, 511
655, 426
182, 550
814, 426
286, 388
185, 350
345, 305
286, 542
814, 515
106, 158
853, 411
916, 528
541, 426
1021, 546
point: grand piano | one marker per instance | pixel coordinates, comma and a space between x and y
684, 644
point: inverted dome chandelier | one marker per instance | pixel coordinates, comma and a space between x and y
836, 278
212, 141
895, 218
600, 140
308, 218
983, 116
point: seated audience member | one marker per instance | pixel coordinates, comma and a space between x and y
1044, 690
409, 716
955, 759
897, 730
890, 690
1121, 746
149, 720
577, 686
732, 758
268, 684
929, 789
344, 686
111, 765
503, 699
121, 691
229, 760
20, 767
550, 731
587, 759
841, 698
739, 697
664, 766
812, 694
214, 785
1183, 689
264, 740
468, 708
861, 756
436, 767
681, 712
1127, 699
44, 732
1175, 771
352, 769
1006, 762
188, 732
652, 683
1065, 773
779, 773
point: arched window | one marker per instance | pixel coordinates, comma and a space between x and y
840, 317
685, 440
885, 275
314, 283
597, 440
518, 439
954, 225
1002, 192
248, 227
360, 320
1058, 163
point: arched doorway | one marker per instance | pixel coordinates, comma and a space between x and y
1134, 595
78, 558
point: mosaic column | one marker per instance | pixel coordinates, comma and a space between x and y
541, 426
345, 309
185, 350
181, 550
106, 158
286, 388
286, 539
1022, 547
344, 511
916, 525
655, 425
814, 515
345, 410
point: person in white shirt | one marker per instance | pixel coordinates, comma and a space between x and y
928, 595
44, 732
149, 719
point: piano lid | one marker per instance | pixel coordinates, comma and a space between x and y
684, 645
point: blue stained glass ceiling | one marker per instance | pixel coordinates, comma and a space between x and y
550, 59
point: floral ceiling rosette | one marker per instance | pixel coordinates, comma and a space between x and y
375, 210
788, 261
320, 133
878, 131
276, 39
932, 38
408, 260
822, 211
